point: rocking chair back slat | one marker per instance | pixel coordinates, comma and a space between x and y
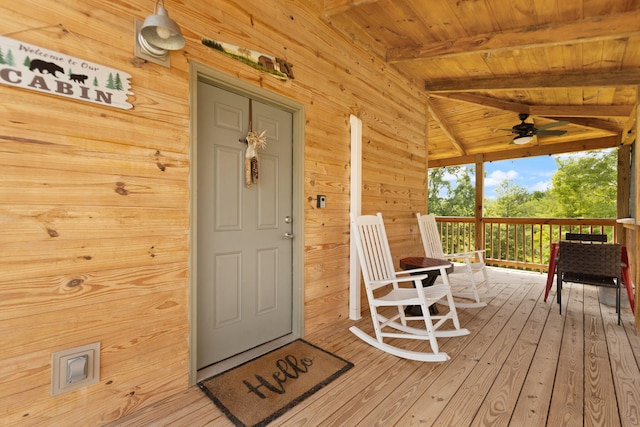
379, 262
473, 270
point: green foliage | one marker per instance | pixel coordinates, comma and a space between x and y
448, 200
584, 186
213, 44
118, 82
9, 58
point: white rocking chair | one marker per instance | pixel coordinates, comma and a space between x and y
471, 269
378, 272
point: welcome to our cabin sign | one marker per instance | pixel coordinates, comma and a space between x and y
32, 67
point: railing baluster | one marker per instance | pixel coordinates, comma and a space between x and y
518, 242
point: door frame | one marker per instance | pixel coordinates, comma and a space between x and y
200, 72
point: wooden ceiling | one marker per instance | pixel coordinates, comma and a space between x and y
484, 61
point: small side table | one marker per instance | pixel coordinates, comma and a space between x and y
411, 263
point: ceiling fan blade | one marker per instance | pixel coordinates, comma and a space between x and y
554, 124
550, 132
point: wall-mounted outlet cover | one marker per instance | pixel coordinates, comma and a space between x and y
74, 368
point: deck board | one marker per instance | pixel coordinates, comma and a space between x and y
524, 363
567, 399
500, 401
599, 393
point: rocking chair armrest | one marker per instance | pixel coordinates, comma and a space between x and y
465, 254
414, 279
420, 270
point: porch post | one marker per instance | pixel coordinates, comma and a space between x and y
479, 234
624, 188
355, 207
636, 208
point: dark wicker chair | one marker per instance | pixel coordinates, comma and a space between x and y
583, 237
590, 264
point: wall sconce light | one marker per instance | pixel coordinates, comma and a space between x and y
157, 36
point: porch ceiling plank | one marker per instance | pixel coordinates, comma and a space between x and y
574, 60
620, 25
536, 81
334, 7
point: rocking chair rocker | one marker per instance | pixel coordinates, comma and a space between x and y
470, 269
378, 272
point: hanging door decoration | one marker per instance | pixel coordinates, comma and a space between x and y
255, 141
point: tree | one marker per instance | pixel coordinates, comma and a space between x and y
9, 58
110, 84
585, 185
447, 199
512, 201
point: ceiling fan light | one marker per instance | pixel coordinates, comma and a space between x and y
521, 140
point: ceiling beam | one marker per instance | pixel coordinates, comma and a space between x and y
540, 150
538, 81
615, 26
580, 110
333, 7
436, 115
539, 110
592, 123
485, 101
629, 132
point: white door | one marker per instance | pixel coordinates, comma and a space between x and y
244, 246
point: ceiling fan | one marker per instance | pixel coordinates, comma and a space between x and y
525, 131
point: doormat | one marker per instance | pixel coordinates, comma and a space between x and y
260, 390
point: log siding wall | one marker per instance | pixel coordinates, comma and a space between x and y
94, 201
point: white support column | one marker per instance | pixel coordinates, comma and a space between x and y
356, 210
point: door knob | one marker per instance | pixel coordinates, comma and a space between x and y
288, 236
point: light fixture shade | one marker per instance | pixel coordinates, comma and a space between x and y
521, 140
159, 33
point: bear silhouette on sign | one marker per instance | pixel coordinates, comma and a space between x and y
42, 66
78, 78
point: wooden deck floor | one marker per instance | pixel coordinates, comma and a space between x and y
523, 364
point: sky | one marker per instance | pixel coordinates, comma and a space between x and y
532, 173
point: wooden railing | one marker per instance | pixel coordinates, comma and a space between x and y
522, 243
